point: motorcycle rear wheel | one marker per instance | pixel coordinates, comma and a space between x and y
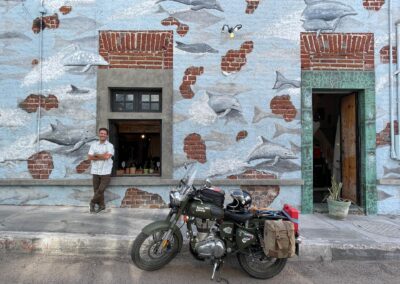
145, 248
261, 267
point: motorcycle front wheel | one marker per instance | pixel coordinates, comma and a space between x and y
150, 253
258, 265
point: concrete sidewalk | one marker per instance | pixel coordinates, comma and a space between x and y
59, 230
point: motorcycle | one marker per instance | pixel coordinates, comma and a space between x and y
212, 230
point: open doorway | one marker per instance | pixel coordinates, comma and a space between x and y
335, 144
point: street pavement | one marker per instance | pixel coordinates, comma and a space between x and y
66, 230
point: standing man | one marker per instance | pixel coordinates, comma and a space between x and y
100, 154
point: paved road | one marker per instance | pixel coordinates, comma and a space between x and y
70, 269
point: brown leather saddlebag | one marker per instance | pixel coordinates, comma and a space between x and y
279, 239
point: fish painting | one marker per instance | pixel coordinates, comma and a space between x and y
195, 47
201, 18
76, 90
21, 197
86, 195
295, 149
280, 130
259, 115
382, 195
281, 82
324, 15
12, 38
223, 104
199, 4
218, 141
387, 171
270, 151
68, 135
84, 58
283, 166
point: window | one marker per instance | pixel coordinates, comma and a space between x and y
136, 100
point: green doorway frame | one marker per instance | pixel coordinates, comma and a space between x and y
362, 82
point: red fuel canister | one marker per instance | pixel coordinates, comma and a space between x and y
293, 214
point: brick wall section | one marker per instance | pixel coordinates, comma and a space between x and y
373, 4
241, 135
282, 105
40, 165
251, 6
31, 103
234, 60
35, 62
190, 79
83, 167
65, 9
181, 29
136, 198
334, 51
195, 148
50, 22
384, 52
383, 137
137, 49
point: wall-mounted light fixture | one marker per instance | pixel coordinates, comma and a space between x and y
143, 136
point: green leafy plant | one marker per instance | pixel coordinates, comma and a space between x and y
335, 189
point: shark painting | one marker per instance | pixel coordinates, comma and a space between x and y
76, 90
320, 15
195, 47
12, 38
201, 18
270, 151
223, 104
281, 81
68, 135
85, 59
199, 4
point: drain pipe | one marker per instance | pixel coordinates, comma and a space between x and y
393, 152
396, 73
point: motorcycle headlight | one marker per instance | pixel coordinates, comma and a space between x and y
175, 198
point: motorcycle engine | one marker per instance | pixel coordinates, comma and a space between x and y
207, 243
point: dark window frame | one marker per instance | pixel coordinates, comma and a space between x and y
138, 94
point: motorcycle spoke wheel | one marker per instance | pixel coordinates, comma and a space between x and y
260, 266
150, 252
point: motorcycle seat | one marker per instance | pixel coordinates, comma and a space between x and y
238, 217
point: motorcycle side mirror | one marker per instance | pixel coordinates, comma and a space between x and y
185, 166
208, 183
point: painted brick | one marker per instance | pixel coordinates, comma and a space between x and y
195, 148
40, 165
83, 167
189, 78
136, 198
251, 6
181, 29
384, 54
373, 4
241, 135
383, 137
234, 60
283, 106
137, 49
32, 102
65, 9
328, 51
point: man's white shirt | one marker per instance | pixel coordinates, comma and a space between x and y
101, 167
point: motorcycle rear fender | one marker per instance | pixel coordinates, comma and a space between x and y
163, 224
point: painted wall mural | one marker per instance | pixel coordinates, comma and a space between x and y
236, 105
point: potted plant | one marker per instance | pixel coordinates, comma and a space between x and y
337, 207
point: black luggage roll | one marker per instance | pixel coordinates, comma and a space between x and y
212, 196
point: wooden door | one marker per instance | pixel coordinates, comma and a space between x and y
348, 122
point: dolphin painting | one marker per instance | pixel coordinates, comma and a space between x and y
195, 47
223, 104
68, 135
84, 58
270, 151
281, 81
324, 15
199, 4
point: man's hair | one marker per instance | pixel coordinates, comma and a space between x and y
103, 128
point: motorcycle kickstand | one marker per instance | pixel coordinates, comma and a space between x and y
217, 269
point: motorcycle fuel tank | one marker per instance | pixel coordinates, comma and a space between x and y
205, 210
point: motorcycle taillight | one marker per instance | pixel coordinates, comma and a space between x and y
293, 215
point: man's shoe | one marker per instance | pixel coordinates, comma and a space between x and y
101, 208
91, 208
